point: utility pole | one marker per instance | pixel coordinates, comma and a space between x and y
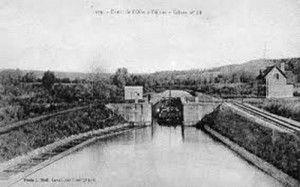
265, 51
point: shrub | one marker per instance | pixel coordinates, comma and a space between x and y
48, 79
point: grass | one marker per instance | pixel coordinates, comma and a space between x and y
35, 135
286, 108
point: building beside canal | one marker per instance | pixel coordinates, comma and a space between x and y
275, 82
135, 109
133, 92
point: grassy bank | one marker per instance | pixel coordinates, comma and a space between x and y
279, 148
285, 108
39, 134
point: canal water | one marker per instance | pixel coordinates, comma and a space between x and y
153, 156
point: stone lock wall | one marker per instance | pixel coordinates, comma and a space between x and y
138, 113
194, 112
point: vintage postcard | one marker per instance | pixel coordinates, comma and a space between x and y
150, 93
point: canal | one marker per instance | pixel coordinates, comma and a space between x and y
153, 156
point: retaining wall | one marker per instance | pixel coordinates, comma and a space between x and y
194, 112
138, 113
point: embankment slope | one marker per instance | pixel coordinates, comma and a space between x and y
27, 138
276, 146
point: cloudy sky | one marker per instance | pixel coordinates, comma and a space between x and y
67, 35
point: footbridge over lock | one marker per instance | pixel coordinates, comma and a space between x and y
193, 108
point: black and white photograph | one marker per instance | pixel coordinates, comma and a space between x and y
150, 93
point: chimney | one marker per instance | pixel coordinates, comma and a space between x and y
282, 68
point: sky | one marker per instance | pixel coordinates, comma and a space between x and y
68, 35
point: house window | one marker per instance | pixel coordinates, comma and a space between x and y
276, 76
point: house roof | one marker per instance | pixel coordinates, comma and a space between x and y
268, 70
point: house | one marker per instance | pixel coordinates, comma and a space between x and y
133, 92
274, 82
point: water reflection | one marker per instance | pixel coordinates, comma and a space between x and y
170, 125
157, 156
182, 131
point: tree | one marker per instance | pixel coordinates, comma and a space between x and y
29, 77
65, 80
121, 77
10, 80
99, 86
48, 79
235, 78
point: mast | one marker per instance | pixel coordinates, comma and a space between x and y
265, 51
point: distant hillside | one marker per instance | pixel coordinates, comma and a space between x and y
252, 67
58, 74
